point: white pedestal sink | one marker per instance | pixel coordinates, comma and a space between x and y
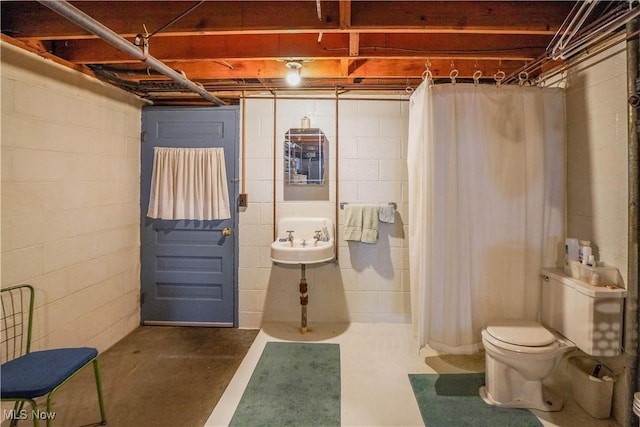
301, 245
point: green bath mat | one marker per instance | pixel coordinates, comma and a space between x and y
293, 384
447, 400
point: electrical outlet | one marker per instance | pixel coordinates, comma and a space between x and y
243, 200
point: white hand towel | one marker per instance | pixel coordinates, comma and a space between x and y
353, 222
387, 213
369, 224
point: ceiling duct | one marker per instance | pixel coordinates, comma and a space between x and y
85, 21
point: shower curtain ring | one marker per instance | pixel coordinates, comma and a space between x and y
428, 77
452, 75
476, 76
408, 89
523, 77
499, 77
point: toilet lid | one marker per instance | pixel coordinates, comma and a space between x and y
521, 332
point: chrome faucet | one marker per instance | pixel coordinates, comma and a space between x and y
290, 237
317, 236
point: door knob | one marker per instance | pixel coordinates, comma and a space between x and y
226, 231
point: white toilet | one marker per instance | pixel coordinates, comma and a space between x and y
520, 354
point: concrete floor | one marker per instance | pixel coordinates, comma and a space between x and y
193, 377
156, 377
375, 360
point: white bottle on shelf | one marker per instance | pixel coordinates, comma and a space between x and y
584, 251
571, 249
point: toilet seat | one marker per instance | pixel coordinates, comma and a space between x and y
521, 336
521, 332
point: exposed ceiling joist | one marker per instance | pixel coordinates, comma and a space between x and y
231, 45
335, 45
128, 18
345, 14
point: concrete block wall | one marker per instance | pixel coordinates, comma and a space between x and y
369, 283
597, 170
70, 200
373, 169
597, 166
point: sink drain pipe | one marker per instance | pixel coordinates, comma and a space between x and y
304, 298
83, 20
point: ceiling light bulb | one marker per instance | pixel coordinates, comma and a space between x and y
293, 76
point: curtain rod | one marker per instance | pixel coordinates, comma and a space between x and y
602, 48
315, 98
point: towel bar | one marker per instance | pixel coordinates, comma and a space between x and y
394, 204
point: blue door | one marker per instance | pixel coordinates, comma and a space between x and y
189, 268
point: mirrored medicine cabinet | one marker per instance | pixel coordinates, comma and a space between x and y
305, 164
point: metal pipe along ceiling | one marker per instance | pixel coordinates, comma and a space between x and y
88, 23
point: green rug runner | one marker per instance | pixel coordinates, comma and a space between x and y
293, 384
447, 400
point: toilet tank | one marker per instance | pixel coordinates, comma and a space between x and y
589, 316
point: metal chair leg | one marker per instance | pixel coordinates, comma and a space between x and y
96, 370
34, 408
17, 407
17, 410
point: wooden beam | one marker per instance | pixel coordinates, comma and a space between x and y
282, 46
354, 44
127, 18
26, 19
38, 49
348, 67
506, 17
333, 68
344, 67
236, 43
345, 14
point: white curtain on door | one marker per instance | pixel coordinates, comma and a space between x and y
486, 206
189, 183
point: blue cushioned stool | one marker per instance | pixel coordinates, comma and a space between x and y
26, 375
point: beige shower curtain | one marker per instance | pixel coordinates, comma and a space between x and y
189, 183
486, 206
